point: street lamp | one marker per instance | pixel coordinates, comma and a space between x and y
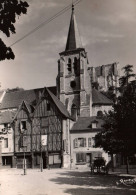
41, 162
24, 160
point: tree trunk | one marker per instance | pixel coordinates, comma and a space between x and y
127, 166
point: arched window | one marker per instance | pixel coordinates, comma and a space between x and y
74, 111
69, 66
75, 65
99, 113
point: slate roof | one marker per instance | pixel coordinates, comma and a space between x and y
99, 99
6, 117
59, 104
14, 99
73, 39
84, 123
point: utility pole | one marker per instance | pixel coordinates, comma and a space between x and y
24, 163
24, 146
0, 153
41, 159
41, 162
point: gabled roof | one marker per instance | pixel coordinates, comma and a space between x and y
27, 106
58, 103
99, 99
14, 99
73, 39
84, 123
6, 116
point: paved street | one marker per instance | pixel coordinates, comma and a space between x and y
61, 181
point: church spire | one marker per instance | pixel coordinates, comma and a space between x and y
73, 39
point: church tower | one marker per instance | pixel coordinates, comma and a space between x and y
73, 81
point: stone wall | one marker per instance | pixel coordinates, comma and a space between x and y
105, 75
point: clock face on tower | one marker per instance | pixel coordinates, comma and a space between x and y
73, 84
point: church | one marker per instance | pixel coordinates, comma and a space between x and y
55, 125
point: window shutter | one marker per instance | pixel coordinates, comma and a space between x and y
83, 157
75, 143
89, 142
84, 142
77, 158
19, 126
93, 142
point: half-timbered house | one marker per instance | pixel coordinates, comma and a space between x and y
42, 133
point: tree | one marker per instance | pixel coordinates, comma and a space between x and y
128, 75
118, 135
9, 10
110, 93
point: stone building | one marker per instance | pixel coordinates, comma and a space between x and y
106, 76
7, 139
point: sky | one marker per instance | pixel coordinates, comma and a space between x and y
107, 29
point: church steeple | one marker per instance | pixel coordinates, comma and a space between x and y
73, 81
73, 39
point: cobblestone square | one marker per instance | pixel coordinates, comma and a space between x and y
62, 181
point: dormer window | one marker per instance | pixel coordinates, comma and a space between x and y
94, 124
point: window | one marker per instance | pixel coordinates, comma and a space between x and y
94, 124
74, 112
5, 125
23, 125
44, 140
89, 142
23, 141
81, 157
99, 113
73, 84
75, 143
69, 66
48, 107
44, 122
79, 142
6, 143
75, 65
